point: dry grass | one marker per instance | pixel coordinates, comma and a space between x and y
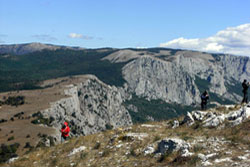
114, 148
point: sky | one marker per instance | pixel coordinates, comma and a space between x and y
221, 26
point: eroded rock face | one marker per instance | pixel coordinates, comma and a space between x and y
176, 78
153, 78
92, 106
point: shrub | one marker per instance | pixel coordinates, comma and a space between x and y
11, 138
27, 145
3, 120
8, 151
14, 100
109, 126
97, 145
41, 120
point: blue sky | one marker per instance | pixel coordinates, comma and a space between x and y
120, 23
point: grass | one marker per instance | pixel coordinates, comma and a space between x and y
102, 152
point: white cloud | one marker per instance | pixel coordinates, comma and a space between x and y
80, 36
232, 40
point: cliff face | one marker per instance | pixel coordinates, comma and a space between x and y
156, 79
91, 106
181, 77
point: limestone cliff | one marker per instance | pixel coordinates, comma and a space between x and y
182, 76
91, 106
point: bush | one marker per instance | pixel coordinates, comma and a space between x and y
8, 151
41, 120
97, 146
27, 145
11, 138
3, 120
14, 100
109, 126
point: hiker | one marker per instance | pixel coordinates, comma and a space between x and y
204, 99
245, 86
65, 132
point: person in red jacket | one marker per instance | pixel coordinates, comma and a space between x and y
65, 131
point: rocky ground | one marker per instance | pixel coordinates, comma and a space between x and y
216, 137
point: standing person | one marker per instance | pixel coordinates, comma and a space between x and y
65, 132
204, 99
245, 86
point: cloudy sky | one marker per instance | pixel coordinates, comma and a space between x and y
221, 26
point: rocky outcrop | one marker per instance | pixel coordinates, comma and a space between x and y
91, 106
167, 146
215, 119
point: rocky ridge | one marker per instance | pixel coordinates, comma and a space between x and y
91, 107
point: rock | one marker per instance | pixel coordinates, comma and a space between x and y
77, 150
139, 136
176, 124
132, 107
198, 115
149, 150
202, 157
242, 158
150, 126
236, 117
223, 160
47, 143
214, 121
11, 160
206, 163
188, 119
169, 145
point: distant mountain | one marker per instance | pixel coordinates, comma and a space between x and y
20, 49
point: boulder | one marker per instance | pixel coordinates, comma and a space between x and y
169, 145
188, 119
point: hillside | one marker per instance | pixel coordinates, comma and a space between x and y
20, 49
201, 139
36, 116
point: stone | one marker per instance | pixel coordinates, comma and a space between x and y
176, 124
169, 145
214, 121
198, 115
77, 150
189, 119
